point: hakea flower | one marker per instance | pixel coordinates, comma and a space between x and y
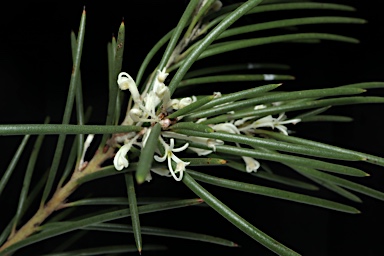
159, 171
125, 81
182, 103
211, 143
180, 164
120, 161
269, 121
251, 164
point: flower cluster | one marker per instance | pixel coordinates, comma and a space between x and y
153, 106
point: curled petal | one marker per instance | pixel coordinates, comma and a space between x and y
120, 161
185, 102
226, 127
125, 81
251, 164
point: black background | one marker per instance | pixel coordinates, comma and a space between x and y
35, 72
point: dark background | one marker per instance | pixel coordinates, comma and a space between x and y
35, 72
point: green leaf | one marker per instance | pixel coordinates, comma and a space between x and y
79, 98
188, 13
288, 23
364, 157
293, 107
63, 129
272, 192
12, 165
244, 94
65, 227
232, 78
202, 161
220, 48
68, 242
102, 250
105, 172
335, 188
133, 210
273, 97
69, 164
191, 126
270, 144
290, 159
366, 85
68, 110
208, 39
146, 156
113, 88
327, 118
123, 228
340, 182
36, 190
277, 7
235, 219
191, 107
27, 179
272, 176
150, 55
234, 67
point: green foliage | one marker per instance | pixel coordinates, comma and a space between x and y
234, 131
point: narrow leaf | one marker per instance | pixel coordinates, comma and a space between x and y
234, 67
102, 250
177, 32
274, 97
233, 78
245, 94
27, 179
235, 219
146, 156
156, 231
295, 106
62, 129
65, 227
273, 177
68, 110
340, 181
12, 165
363, 157
270, 144
335, 188
191, 107
191, 126
133, 210
272, 192
208, 39
290, 159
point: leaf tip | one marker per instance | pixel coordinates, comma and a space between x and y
222, 161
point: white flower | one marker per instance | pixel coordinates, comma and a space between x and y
251, 164
162, 75
180, 165
269, 121
182, 103
125, 81
160, 171
226, 127
120, 161
211, 143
